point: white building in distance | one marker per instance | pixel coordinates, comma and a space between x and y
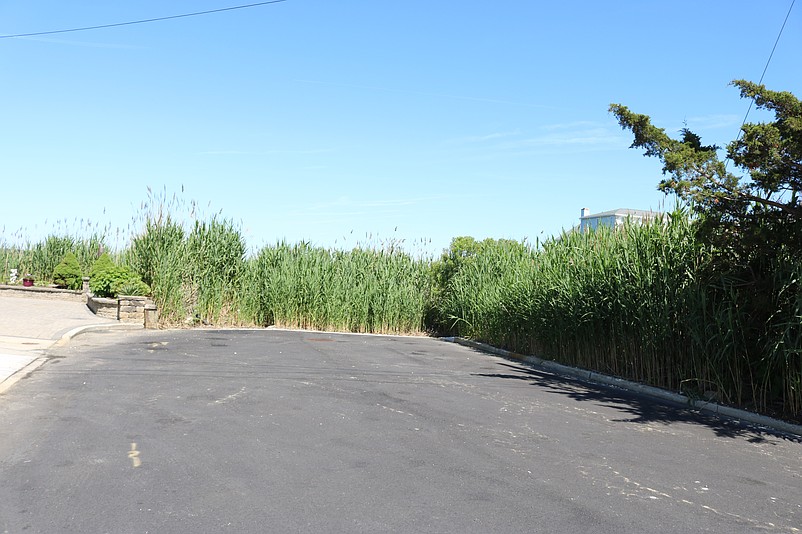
614, 218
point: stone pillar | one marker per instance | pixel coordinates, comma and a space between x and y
86, 285
151, 315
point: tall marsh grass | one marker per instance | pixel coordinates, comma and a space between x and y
362, 290
39, 259
643, 302
158, 255
201, 272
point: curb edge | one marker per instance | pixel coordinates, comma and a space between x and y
644, 389
6, 384
66, 338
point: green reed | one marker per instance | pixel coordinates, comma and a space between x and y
645, 302
642, 302
362, 290
39, 259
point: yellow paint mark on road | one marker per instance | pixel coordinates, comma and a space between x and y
133, 454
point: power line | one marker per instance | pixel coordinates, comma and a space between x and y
766, 68
771, 55
195, 14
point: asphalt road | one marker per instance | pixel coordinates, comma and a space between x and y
272, 431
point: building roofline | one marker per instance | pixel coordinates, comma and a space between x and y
624, 211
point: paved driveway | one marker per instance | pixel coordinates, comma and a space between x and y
271, 431
29, 326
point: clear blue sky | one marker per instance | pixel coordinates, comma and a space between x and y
339, 122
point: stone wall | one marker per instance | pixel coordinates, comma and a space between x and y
48, 293
132, 309
102, 307
126, 309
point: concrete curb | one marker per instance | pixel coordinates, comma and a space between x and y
65, 339
20, 374
24, 371
643, 389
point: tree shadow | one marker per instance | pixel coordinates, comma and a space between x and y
636, 407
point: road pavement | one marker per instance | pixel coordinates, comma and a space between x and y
271, 431
29, 326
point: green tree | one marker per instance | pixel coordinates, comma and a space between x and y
751, 210
109, 280
462, 253
750, 218
68, 272
460, 249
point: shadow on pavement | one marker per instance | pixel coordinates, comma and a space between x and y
636, 408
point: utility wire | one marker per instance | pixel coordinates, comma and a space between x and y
752, 101
86, 28
766, 68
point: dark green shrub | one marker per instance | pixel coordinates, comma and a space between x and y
110, 280
68, 272
47, 254
103, 263
131, 285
